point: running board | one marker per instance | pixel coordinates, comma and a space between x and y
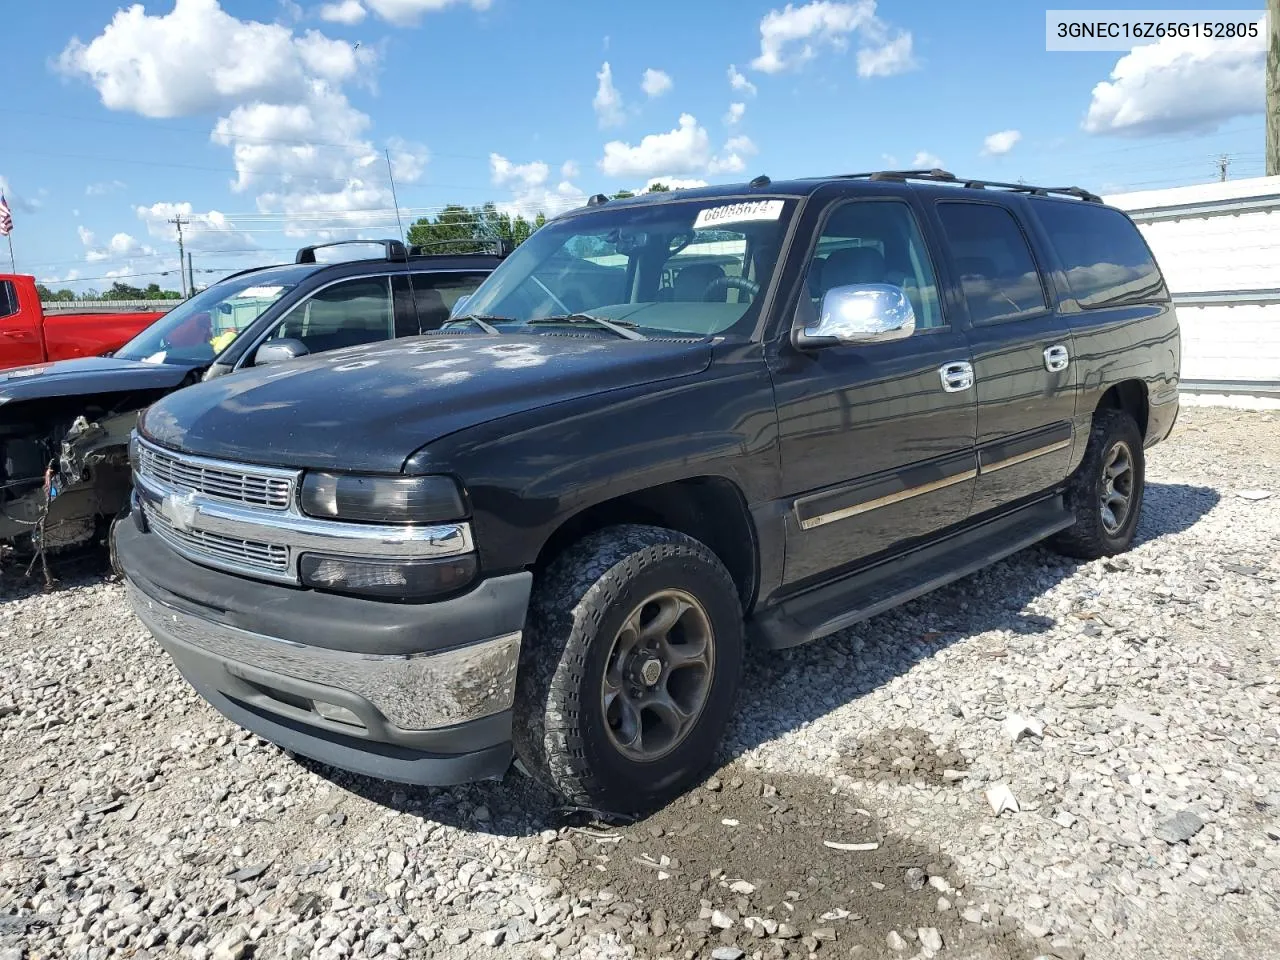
835, 606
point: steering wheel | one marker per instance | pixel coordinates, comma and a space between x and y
718, 287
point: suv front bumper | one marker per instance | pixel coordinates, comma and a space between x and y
417, 693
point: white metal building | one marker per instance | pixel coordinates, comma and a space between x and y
1219, 247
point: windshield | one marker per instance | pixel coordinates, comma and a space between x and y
690, 267
200, 328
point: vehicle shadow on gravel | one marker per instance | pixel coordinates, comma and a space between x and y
884, 647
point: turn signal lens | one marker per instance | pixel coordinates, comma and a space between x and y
389, 579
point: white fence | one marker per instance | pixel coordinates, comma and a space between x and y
1219, 247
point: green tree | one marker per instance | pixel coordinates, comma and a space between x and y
459, 229
658, 188
623, 195
153, 292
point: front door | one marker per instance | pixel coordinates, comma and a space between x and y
1022, 355
876, 449
20, 341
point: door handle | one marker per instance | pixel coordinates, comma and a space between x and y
1056, 358
957, 376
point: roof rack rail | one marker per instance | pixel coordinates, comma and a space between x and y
501, 247
943, 176
395, 250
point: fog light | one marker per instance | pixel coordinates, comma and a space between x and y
396, 579
331, 711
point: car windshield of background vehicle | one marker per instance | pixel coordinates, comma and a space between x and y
200, 328
685, 268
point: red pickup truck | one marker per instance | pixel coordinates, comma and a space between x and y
29, 335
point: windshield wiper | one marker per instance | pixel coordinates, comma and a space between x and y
481, 321
623, 328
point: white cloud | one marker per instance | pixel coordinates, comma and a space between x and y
739, 82
531, 192
569, 170
1179, 86
349, 12
1000, 143
683, 150
741, 145
295, 138
735, 114
924, 160
793, 35
889, 58
675, 183
104, 187
731, 159
198, 59
406, 13
656, 82
607, 101
120, 246
209, 232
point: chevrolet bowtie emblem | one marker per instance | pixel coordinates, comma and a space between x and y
180, 511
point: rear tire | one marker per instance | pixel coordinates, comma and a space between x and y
629, 668
1106, 491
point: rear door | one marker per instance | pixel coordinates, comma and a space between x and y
876, 450
1022, 353
21, 341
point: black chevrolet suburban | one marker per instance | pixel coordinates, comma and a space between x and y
664, 428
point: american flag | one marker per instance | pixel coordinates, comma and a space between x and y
6, 217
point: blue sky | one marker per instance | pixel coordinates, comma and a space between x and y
265, 123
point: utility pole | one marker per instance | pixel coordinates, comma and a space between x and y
1273, 88
191, 275
178, 222
1224, 161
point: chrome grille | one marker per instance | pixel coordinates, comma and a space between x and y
246, 555
234, 484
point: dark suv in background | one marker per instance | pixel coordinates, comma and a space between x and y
664, 427
64, 426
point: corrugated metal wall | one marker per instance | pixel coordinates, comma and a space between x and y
1219, 247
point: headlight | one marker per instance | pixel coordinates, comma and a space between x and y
341, 496
134, 448
395, 579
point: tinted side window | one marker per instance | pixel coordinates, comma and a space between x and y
8, 299
997, 271
344, 315
876, 242
1106, 259
436, 293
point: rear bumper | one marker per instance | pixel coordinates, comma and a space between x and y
439, 714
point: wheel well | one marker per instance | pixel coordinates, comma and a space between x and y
1131, 397
710, 509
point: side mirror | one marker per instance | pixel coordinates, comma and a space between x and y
460, 307
274, 351
859, 313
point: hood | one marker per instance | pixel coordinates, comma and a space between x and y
67, 378
369, 409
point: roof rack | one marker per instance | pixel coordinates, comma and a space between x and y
395, 250
942, 176
501, 247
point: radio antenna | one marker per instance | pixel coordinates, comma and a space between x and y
392, 177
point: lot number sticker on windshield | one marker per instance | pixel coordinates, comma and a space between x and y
738, 213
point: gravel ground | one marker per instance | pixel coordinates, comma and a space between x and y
1129, 707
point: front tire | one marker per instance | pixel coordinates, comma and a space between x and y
629, 669
1106, 491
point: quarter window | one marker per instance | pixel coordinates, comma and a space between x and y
997, 271
8, 298
1106, 260
345, 314
876, 242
